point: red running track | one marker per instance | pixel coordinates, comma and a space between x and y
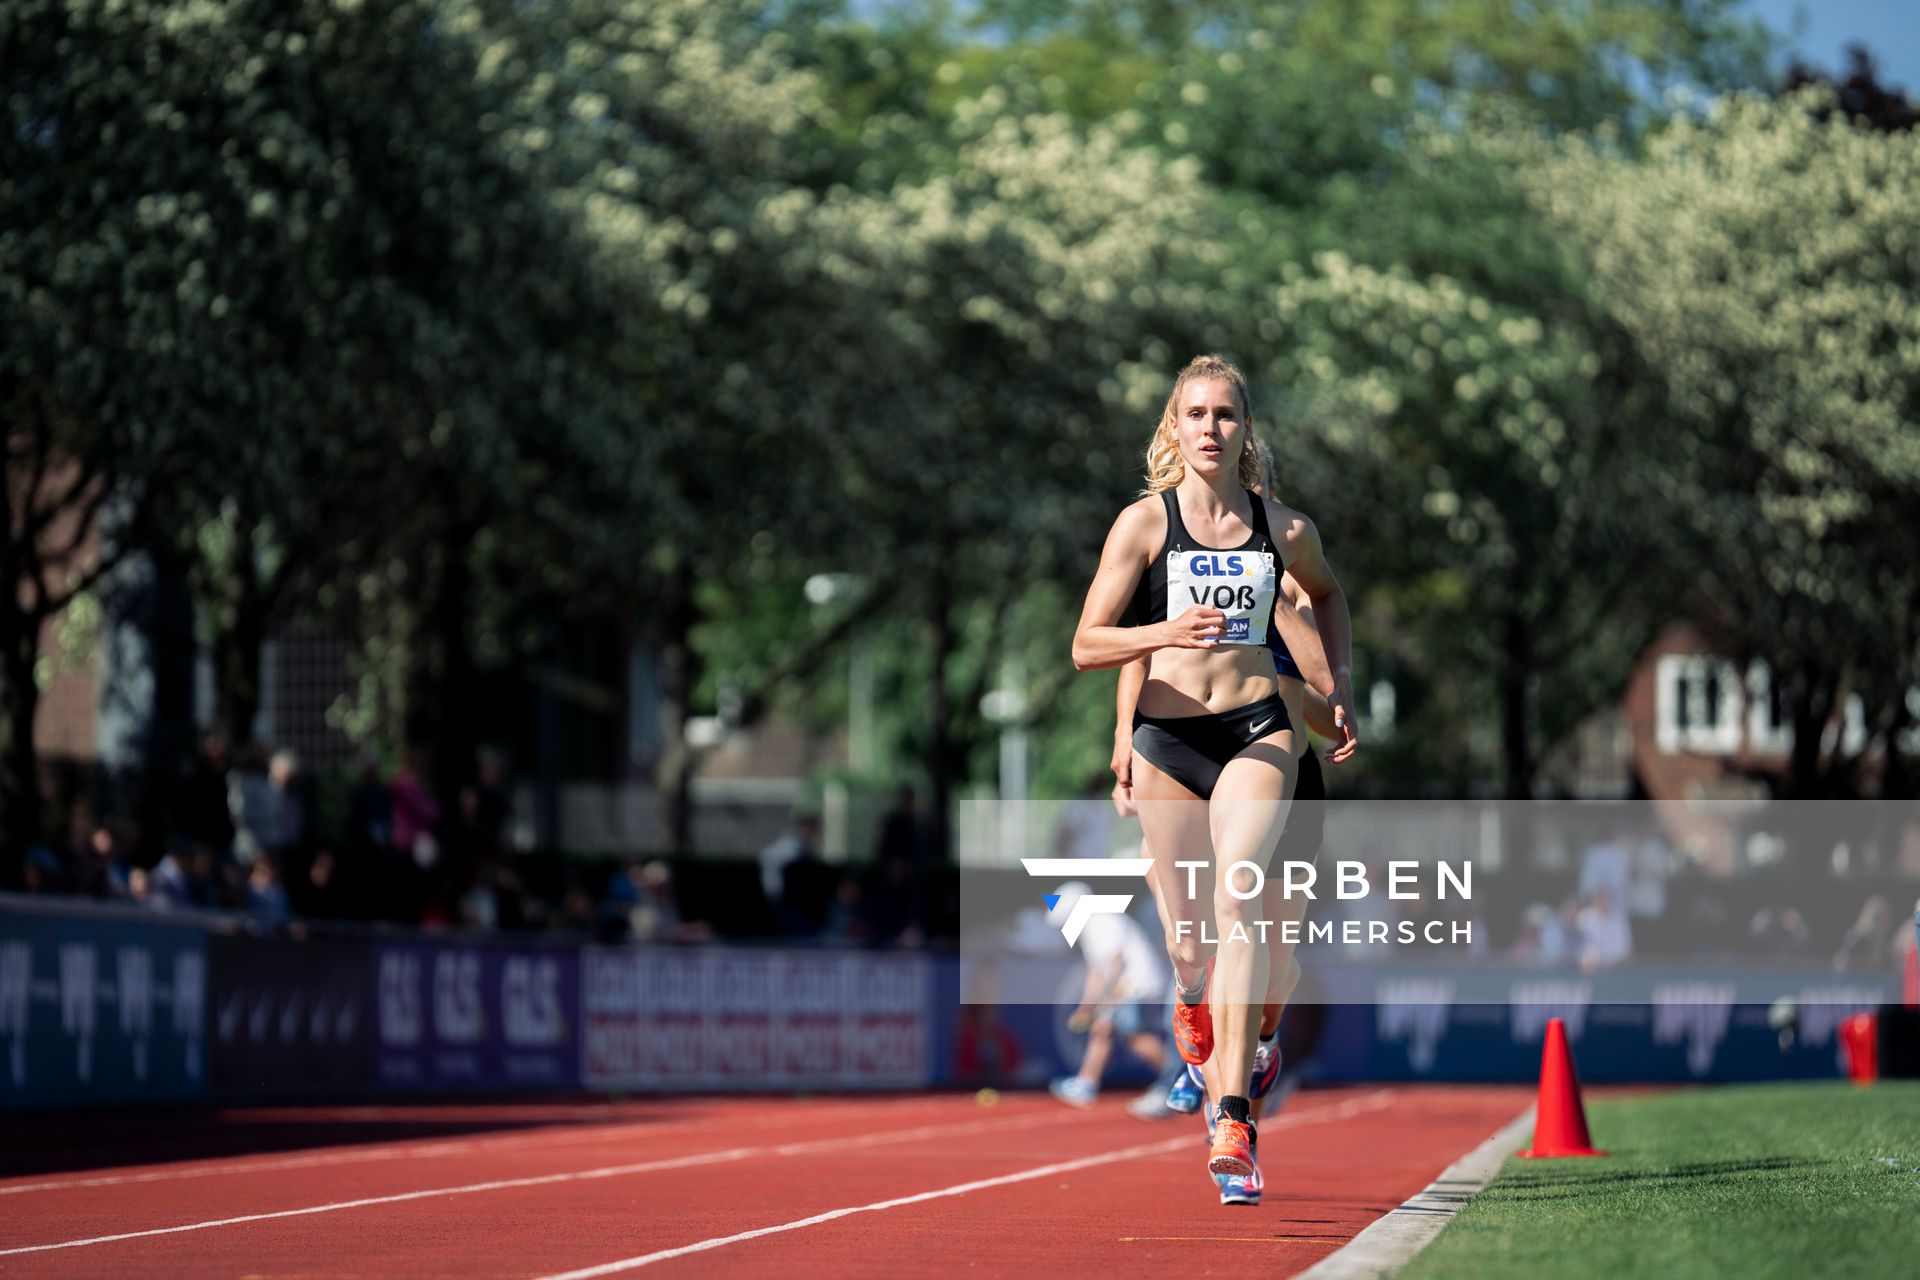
757, 1186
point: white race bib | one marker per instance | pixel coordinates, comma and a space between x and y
1239, 584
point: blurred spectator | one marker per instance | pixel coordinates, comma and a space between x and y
1652, 862
266, 897
1606, 866
1544, 938
1124, 972
370, 809
1862, 949
479, 907
1606, 939
901, 832
168, 886
845, 921
808, 889
202, 808
652, 909
797, 881
889, 910
576, 913
801, 840
893, 898
42, 873
1780, 931
272, 822
318, 891
99, 870
509, 894
415, 814
491, 801
247, 800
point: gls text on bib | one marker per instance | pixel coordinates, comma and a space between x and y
1239, 584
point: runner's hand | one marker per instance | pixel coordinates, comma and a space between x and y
1123, 777
1198, 628
1346, 725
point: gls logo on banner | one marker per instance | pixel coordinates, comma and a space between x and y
1087, 905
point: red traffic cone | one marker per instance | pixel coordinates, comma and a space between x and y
1559, 1121
1860, 1045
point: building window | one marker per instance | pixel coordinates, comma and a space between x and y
1768, 733
1696, 705
1849, 734
1909, 739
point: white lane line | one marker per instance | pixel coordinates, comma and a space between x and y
1370, 1102
1391, 1242
560, 1136
583, 1175
1025, 1175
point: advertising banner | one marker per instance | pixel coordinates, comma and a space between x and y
469, 1017
97, 1008
734, 1019
291, 1018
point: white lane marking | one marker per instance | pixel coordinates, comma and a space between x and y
583, 1175
556, 1137
1390, 1242
1025, 1175
1370, 1102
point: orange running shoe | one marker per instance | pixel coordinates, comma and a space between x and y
1193, 1026
1232, 1152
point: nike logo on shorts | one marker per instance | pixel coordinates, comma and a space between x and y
1261, 728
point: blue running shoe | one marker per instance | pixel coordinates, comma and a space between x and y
1266, 1068
1235, 1189
1188, 1092
1074, 1091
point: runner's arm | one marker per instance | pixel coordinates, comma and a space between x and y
1126, 697
1314, 705
1099, 641
1307, 562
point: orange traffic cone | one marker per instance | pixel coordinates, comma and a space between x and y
1559, 1121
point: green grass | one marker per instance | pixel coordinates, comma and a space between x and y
1750, 1181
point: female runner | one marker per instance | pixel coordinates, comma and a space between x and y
1300, 842
1215, 752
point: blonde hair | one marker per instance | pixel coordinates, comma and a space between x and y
1263, 462
1165, 467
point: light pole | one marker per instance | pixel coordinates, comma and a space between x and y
823, 589
1007, 707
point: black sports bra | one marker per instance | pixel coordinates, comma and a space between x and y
1239, 581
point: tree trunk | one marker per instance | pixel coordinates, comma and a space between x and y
1810, 698
237, 652
1516, 745
940, 718
678, 675
453, 693
19, 699
19, 773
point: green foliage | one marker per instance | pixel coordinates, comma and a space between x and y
1765, 265
444, 320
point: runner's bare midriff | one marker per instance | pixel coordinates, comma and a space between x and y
1197, 682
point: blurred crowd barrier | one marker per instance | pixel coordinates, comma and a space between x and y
106, 1006
102, 1004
